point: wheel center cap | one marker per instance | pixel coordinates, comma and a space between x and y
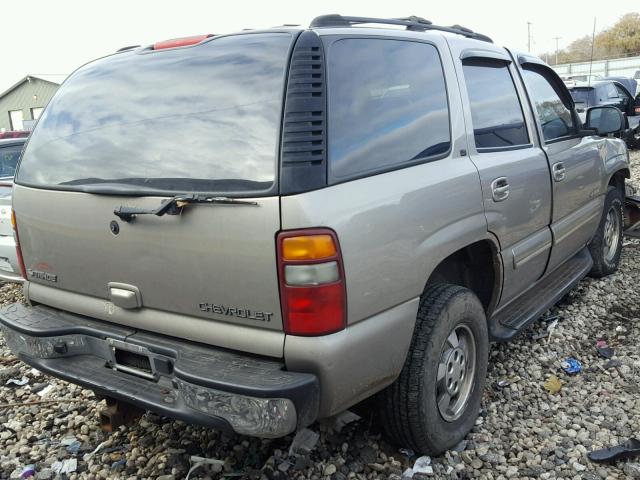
456, 363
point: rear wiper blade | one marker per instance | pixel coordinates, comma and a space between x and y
174, 205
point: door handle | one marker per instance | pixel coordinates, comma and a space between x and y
559, 172
500, 189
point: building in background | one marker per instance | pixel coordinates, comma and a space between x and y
22, 104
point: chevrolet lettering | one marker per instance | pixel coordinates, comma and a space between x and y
236, 312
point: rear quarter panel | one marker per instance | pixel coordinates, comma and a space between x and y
394, 228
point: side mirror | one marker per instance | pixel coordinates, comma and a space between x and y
605, 120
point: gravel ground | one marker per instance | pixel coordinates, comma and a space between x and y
523, 431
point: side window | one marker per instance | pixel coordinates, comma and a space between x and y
611, 90
387, 105
496, 112
621, 92
554, 115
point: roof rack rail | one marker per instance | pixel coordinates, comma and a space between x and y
124, 49
412, 23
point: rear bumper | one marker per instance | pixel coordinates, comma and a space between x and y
183, 380
9, 269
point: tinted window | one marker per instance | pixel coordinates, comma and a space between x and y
9, 156
203, 118
387, 105
611, 90
495, 109
582, 95
553, 115
621, 92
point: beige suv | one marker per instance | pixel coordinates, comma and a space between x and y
254, 231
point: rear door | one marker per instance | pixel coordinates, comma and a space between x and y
513, 170
135, 129
575, 162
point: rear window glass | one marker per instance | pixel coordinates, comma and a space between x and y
9, 156
387, 105
582, 95
203, 118
496, 113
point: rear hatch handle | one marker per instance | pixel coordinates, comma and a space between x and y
174, 206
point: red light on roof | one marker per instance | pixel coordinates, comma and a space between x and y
14, 134
181, 42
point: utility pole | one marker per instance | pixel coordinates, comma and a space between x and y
556, 39
593, 40
529, 37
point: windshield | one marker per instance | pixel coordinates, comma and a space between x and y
581, 95
9, 156
203, 119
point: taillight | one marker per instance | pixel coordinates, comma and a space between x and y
14, 224
312, 286
180, 42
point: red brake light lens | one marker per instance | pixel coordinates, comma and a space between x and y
312, 287
181, 42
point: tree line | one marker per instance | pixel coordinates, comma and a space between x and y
621, 40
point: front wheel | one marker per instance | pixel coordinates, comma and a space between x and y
435, 401
606, 245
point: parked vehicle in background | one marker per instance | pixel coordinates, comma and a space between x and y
603, 92
347, 211
571, 80
630, 84
10, 150
615, 93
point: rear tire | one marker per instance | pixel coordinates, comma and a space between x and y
606, 245
415, 411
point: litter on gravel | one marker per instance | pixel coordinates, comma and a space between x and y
571, 366
19, 382
341, 420
28, 471
69, 465
421, 466
304, 441
628, 449
198, 462
45, 391
553, 385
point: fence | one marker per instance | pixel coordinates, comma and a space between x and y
615, 67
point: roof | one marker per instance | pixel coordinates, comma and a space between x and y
56, 78
12, 141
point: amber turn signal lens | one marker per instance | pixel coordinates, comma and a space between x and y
13, 219
309, 247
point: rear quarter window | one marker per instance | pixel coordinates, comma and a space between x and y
387, 106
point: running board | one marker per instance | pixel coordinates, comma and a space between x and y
517, 315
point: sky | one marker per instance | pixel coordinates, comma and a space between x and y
53, 37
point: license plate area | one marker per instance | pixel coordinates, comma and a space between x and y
132, 359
